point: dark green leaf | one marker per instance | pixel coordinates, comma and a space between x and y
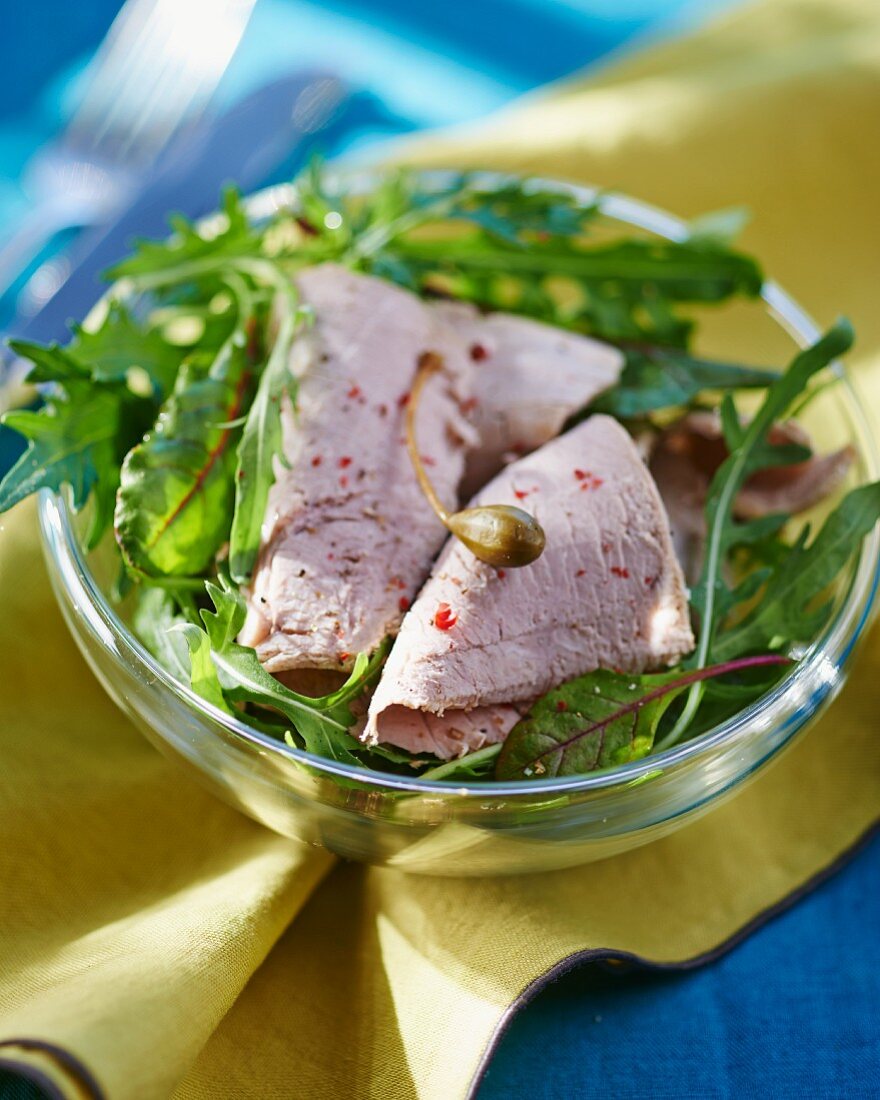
156, 622
792, 607
203, 676
600, 720
51, 363
321, 723
72, 441
121, 345
188, 245
260, 442
665, 377
751, 454
175, 498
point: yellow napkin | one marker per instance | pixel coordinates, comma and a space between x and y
143, 950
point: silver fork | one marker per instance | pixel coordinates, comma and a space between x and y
151, 77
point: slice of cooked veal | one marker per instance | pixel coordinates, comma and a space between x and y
607, 592
348, 536
529, 378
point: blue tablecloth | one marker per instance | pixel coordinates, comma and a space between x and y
791, 1012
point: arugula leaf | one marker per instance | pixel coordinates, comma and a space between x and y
261, 441
788, 610
202, 673
628, 290
321, 723
77, 438
176, 489
600, 720
750, 451
189, 245
121, 345
157, 621
473, 765
51, 363
661, 378
90, 416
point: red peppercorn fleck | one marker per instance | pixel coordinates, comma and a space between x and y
502, 573
479, 352
345, 461
581, 474
317, 460
650, 581
561, 705
520, 494
355, 391
330, 556
581, 573
403, 400
403, 603
620, 571
344, 655
445, 618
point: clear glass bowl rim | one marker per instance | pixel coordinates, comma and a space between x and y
832, 649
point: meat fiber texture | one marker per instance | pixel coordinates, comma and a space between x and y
528, 380
607, 592
348, 536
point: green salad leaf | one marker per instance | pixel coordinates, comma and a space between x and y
261, 441
203, 676
600, 720
626, 290
157, 621
192, 249
76, 439
322, 723
793, 605
113, 352
749, 451
661, 378
176, 489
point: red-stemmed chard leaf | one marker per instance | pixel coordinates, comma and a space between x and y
601, 720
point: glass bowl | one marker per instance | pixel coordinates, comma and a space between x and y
445, 828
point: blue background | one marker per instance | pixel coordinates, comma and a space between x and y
792, 1012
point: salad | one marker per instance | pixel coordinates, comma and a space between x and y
430, 481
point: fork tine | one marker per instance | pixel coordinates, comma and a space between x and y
141, 89
159, 69
112, 62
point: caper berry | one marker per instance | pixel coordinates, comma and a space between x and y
499, 534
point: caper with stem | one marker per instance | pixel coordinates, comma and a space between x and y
498, 534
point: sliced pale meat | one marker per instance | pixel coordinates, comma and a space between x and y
452, 734
606, 593
686, 455
348, 536
529, 378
